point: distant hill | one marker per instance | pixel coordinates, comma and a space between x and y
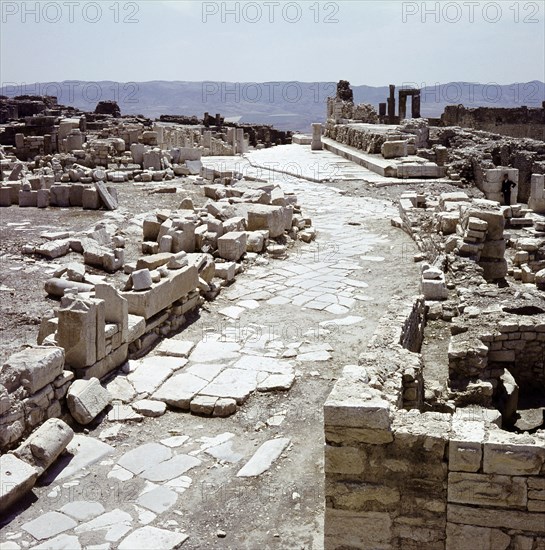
286, 105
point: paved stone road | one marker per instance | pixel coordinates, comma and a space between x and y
264, 333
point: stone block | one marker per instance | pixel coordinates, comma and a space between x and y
394, 149
460, 537
28, 198
32, 368
434, 289
344, 460
80, 325
263, 216
495, 518
141, 279
43, 446
226, 270
116, 308
232, 246
487, 490
86, 399
90, 199
177, 284
18, 478
501, 456
5, 196
346, 529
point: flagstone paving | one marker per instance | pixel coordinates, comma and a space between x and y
263, 355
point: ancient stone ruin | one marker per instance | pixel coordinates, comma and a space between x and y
353, 315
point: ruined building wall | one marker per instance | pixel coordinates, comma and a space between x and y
398, 479
519, 122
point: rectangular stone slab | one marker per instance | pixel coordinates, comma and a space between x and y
178, 284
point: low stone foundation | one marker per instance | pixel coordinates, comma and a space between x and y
403, 479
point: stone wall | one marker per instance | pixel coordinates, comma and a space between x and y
519, 122
33, 385
513, 342
403, 479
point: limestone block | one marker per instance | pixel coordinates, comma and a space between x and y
502, 456
394, 149
141, 279
343, 460
496, 518
54, 249
237, 223
5, 196
32, 368
154, 261
43, 446
152, 160
90, 199
434, 289
494, 249
487, 490
76, 194
86, 399
493, 270
255, 242
232, 246
60, 195
477, 538
225, 270
272, 218
492, 215
78, 331
179, 283
18, 478
42, 198
116, 308
151, 228
28, 198
346, 529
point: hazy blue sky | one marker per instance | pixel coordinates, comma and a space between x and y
365, 42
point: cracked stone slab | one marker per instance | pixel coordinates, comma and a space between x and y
148, 407
121, 389
264, 457
276, 382
148, 537
345, 321
232, 312
62, 542
205, 371
224, 453
264, 364
315, 356
81, 452
232, 383
175, 348
48, 525
143, 457
83, 510
171, 468
151, 372
116, 523
179, 390
158, 500
174, 441
179, 484
210, 351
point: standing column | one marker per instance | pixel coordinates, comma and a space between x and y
415, 104
391, 104
402, 106
316, 144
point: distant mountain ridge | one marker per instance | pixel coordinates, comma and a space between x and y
286, 105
